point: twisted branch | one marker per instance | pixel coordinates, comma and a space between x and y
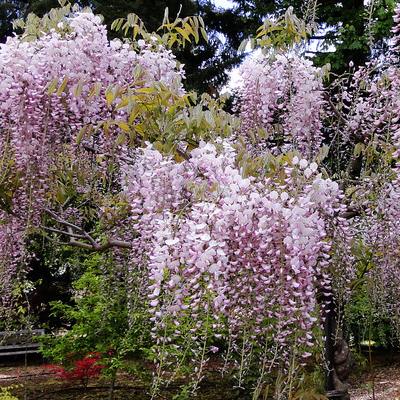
74, 232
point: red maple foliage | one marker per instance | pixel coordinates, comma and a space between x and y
82, 370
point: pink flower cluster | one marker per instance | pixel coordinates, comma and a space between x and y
370, 105
240, 253
49, 89
396, 28
366, 103
285, 98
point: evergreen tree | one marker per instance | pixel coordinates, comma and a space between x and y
350, 29
10, 10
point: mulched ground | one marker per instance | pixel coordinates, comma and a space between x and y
35, 382
382, 382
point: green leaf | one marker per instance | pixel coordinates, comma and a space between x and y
322, 154
183, 33
110, 96
124, 126
204, 34
121, 139
78, 89
358, 149
81, 134
51, 88
62, 86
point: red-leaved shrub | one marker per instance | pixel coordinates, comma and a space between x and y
82, 370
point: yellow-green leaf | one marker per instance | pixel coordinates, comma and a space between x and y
124, 126
110, 96
204, 34
78, 89
81, 134
62, 86
52, 86
139, 128
120, 139
183, 33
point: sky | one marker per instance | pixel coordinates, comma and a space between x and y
234, 78
223, 3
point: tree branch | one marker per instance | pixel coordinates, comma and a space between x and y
351, 212
93, 245
335, 110
94, 150
60, 232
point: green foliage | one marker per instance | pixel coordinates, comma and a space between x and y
35, 26
5, 393
10, 10
351, 30
165, 118
184, 393
173, 34
282, 34
103, 318
356, 31
366, 323
310, 385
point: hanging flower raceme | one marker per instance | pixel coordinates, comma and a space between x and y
370, 105
52, 87
12, 253
284, 97
396, 28
239, 256
366, 105
367, 101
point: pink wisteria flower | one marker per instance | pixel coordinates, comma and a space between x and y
284, 97
51, 88
244, 254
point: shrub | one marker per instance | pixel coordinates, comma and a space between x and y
83, 369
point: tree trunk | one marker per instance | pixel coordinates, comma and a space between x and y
337, 355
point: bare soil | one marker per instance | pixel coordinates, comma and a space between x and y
381, 382
35, 382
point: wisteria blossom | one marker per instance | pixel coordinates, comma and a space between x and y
284, 97
233, 250
50, 89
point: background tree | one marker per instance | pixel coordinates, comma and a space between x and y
10, 10
349, 30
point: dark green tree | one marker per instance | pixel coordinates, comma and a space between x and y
206, 64
10, 10
356, 31
349, 29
